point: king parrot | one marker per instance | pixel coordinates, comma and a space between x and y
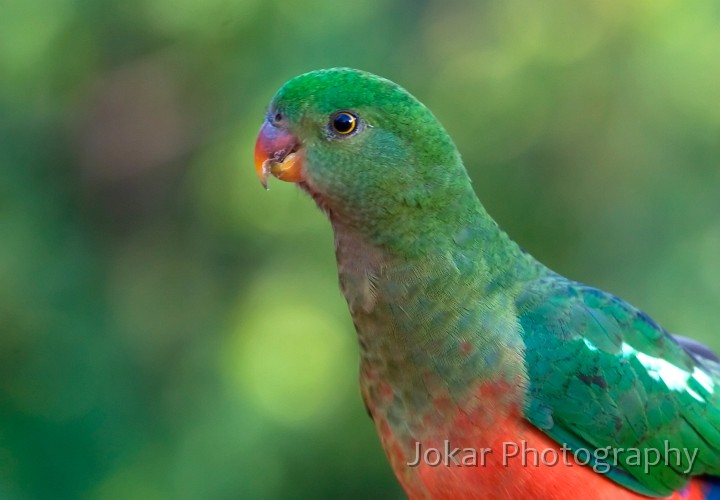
487, 374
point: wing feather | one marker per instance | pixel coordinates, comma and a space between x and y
604, 374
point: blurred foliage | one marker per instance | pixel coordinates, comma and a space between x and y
170, 330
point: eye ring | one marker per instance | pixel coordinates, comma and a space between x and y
344, 123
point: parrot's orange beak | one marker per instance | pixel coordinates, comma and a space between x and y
277, 152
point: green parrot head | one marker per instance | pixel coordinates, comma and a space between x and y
369, 153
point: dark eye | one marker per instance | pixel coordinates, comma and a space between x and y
344, 123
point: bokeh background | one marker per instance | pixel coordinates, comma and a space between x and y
168, 329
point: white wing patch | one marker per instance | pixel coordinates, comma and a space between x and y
676, 379
703, 379
590, 345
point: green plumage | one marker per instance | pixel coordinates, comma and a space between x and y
602, 373
444, 302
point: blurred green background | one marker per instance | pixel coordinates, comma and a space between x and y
168, 329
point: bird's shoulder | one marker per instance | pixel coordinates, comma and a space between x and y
602, 373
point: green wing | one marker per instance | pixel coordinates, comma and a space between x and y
603, 374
